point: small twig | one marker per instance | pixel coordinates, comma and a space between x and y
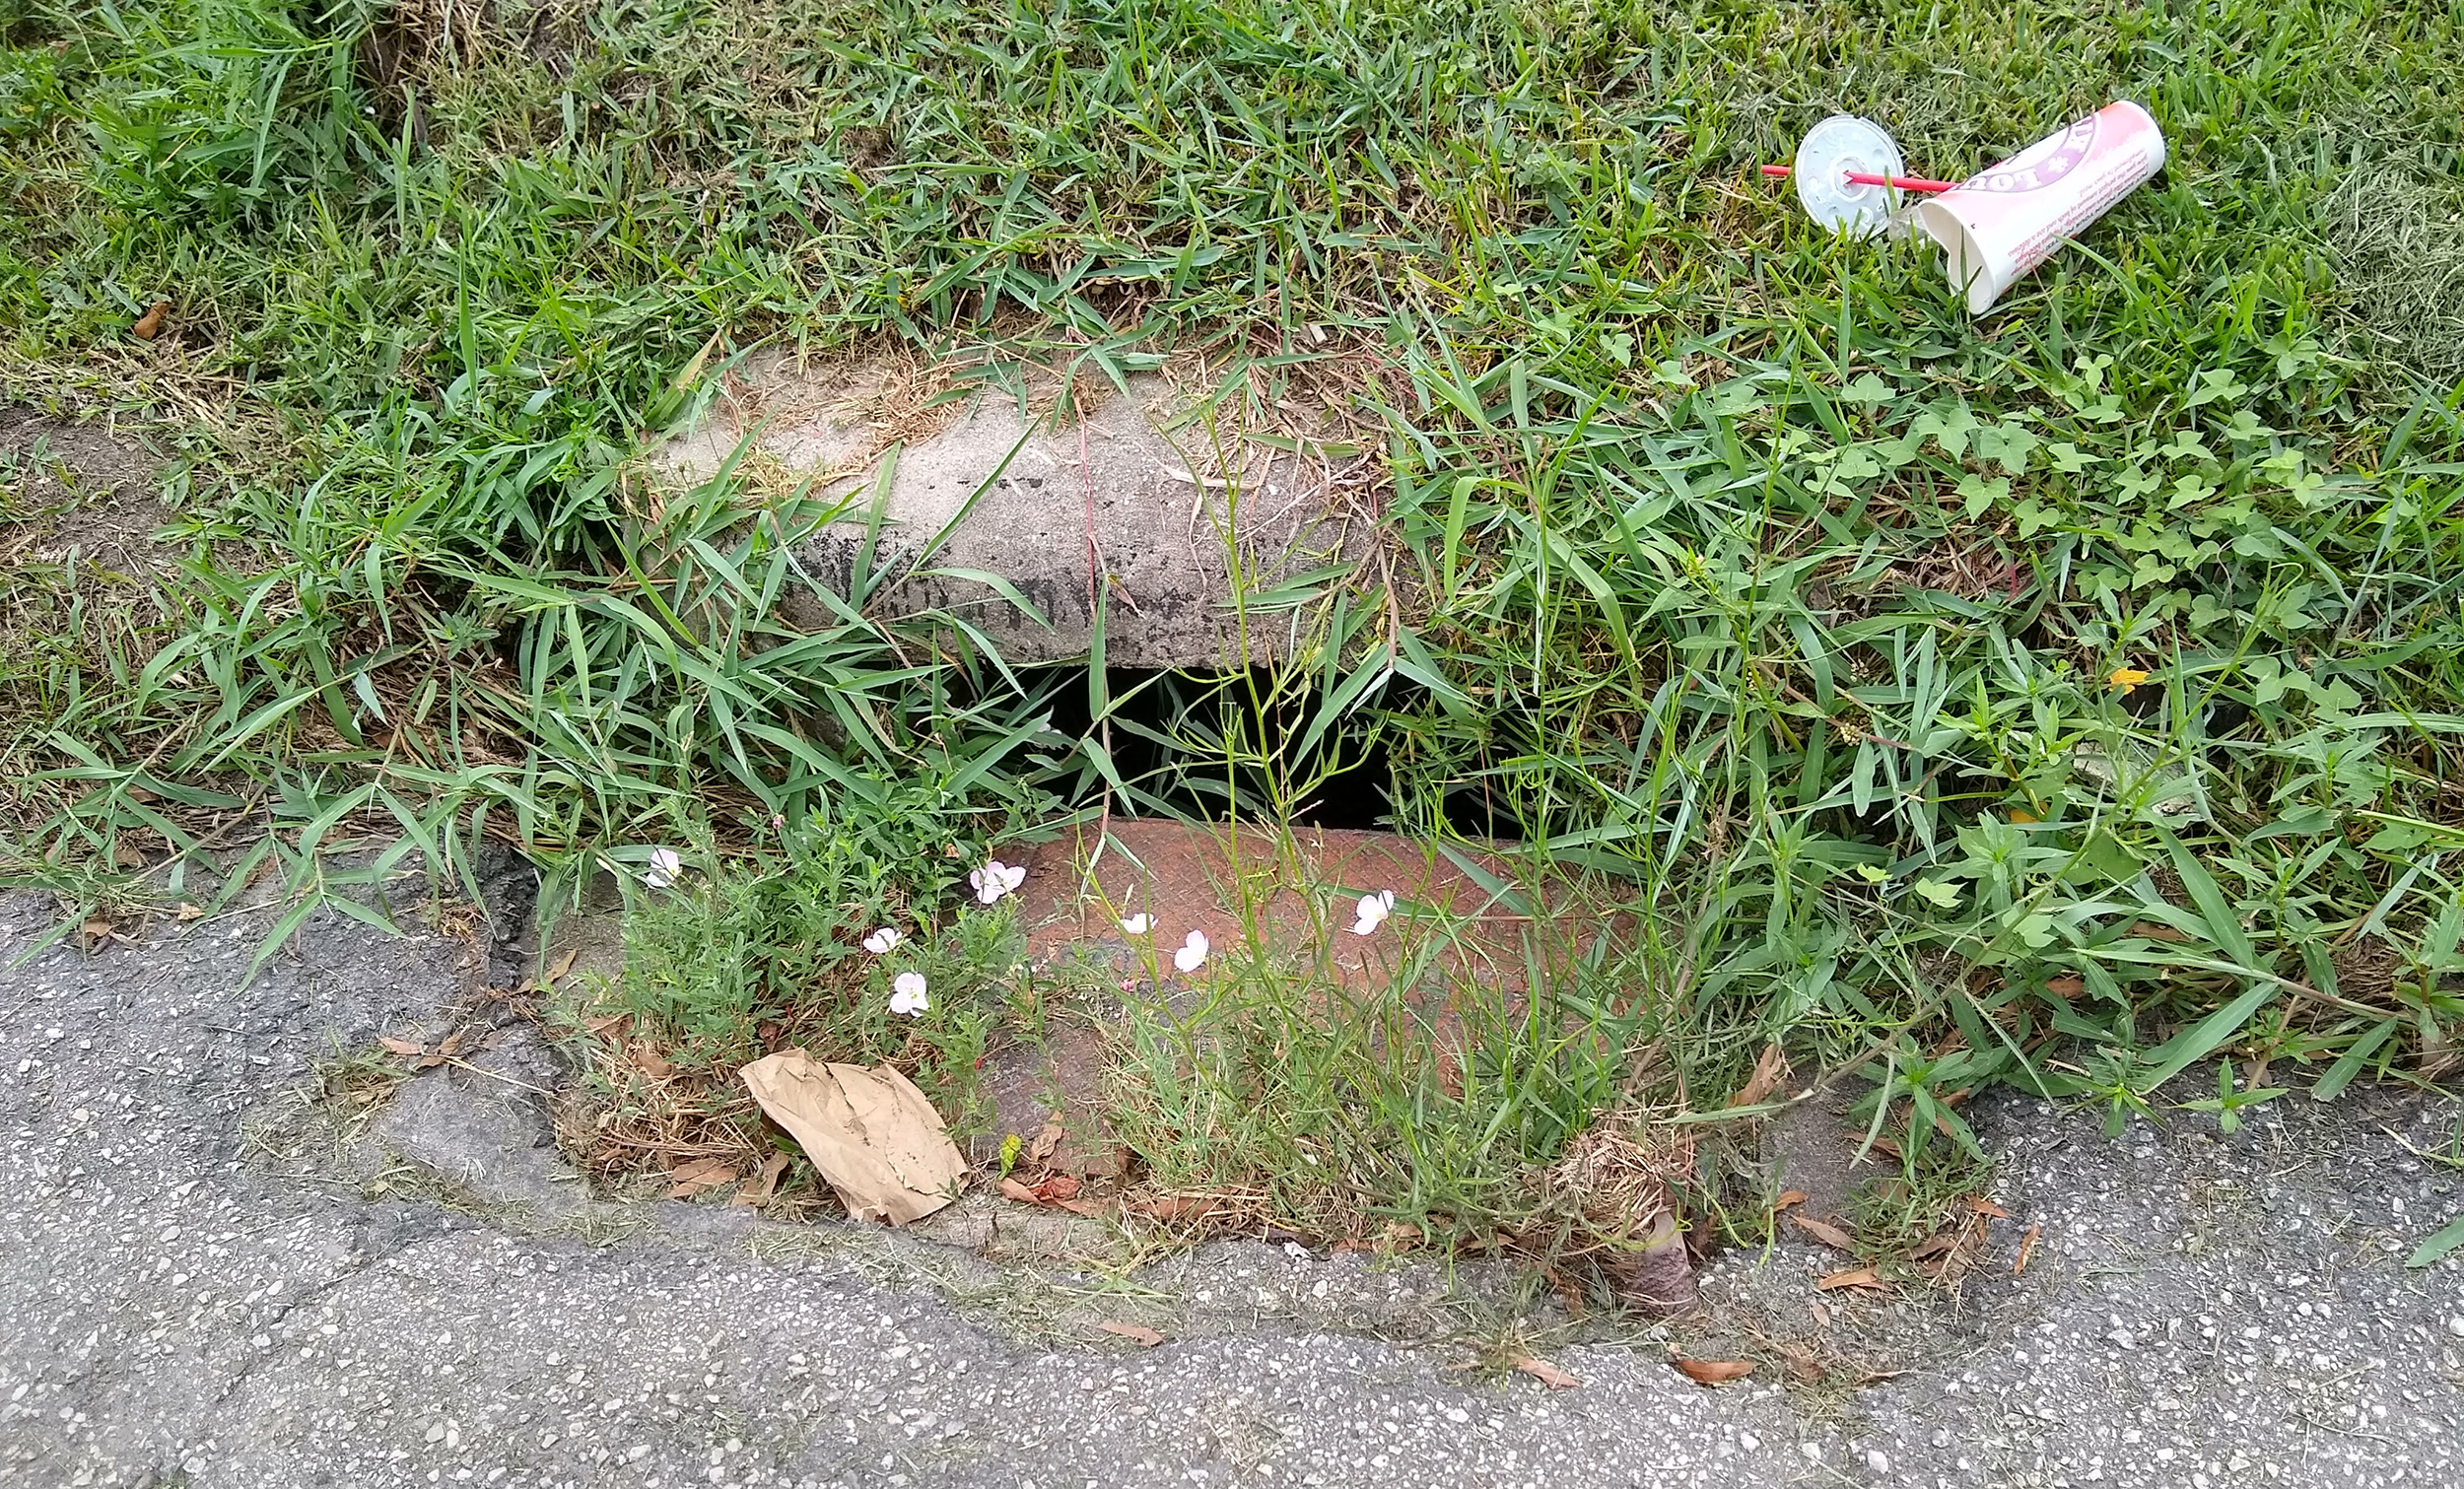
492, 1075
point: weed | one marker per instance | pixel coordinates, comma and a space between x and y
1427, 1100
356, 1082
753, 955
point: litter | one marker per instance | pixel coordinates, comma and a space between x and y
1997, 225
870, 1132
1847, 172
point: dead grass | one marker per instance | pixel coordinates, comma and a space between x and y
2399, 243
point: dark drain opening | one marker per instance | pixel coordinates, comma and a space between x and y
1238, 746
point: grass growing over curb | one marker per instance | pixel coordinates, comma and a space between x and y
2065, 697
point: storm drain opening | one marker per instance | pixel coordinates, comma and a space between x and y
1251, 745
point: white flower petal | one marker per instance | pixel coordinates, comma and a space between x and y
883, 941
907, 993
1137, 925
1192, 952
666, 865
1371, 912
995, 880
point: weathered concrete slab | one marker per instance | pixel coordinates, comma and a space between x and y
1294, 895
1178, 517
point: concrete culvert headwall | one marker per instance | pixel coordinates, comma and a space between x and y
1177, 513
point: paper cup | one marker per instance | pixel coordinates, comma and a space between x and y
2008, 220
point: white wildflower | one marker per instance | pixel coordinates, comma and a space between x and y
1372, 912
996, 880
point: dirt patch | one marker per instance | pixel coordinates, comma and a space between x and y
1810, 1149
71, 489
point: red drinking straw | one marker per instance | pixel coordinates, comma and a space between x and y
1869, 179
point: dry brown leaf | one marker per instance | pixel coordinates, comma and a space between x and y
1822, 1315
1983, 1206
1045, 1142
150, 325
1887, 1146
1800, 1361
97, 928
189, 911
612, 1025
1715, 1372
564, 964
128, 856
654, 1064
1058, 1190
1824, 1231
1136, 1333
2152, 932
403, 1046
1934, 1245
1174, 1209
1547, 1373
757, 1190
454, 1043
1787, 1198
1855, 1276
2067, 985
1770, 1070
692, 1178
2027, 1249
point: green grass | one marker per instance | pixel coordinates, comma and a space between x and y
1737, 565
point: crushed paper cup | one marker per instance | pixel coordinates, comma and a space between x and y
871, 1133
2008, 219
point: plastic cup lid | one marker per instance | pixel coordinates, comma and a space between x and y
1831, 149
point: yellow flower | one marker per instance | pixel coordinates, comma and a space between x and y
2127, 678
